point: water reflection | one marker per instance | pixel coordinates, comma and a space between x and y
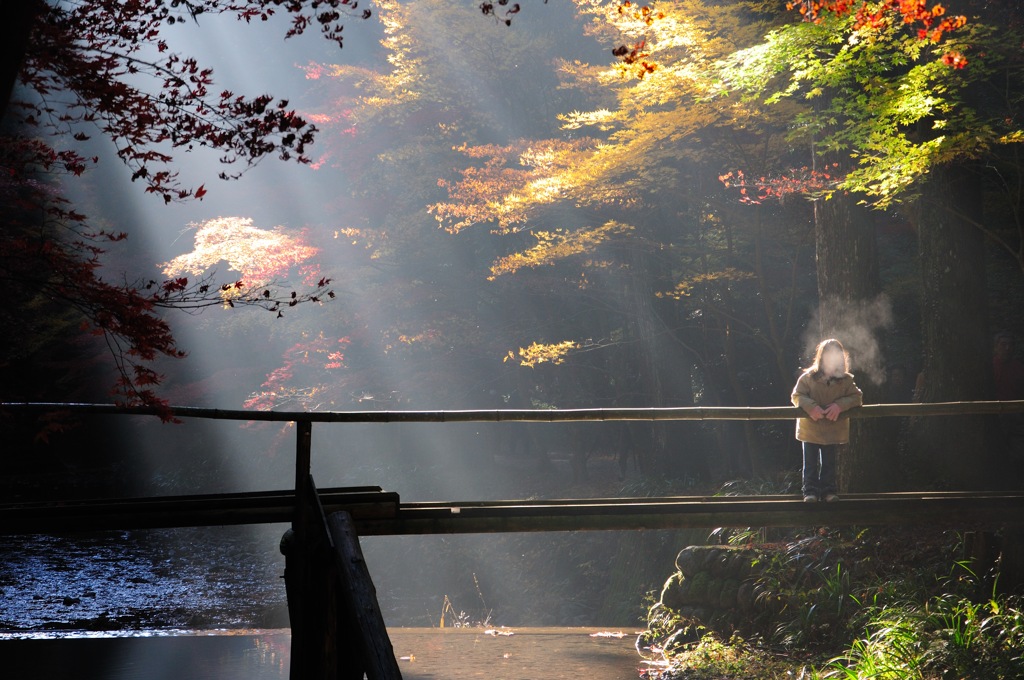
529, 653
166, 655
424, 653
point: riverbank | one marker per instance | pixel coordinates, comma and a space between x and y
836, 603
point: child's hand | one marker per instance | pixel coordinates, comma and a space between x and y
817, 413
832, 412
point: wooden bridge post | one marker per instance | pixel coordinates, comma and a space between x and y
310, 586
337, 628
303, 475
309, 581
362, 621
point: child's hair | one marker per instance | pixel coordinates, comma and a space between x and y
819, 351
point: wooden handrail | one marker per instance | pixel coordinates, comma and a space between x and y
319, 612
527, 415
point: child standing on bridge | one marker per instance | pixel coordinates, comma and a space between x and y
824, 390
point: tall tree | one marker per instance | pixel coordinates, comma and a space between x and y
903, 118
634, 207
423, 331
966, 187
107, 67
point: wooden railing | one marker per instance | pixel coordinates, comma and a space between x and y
337, 627
304, 419
948, 408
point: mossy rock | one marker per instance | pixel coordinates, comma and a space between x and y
745, 597
697, 558
741, 564
725, 561
713, 558
699, 584
714, 592
674, 592
690, 560
727, 598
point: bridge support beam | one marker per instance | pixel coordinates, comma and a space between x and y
338, 630
357, 601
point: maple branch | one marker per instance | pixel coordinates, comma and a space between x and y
193, 297
225, 121
90, 49
82, 61
933, 24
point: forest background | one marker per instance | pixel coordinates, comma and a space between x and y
599, 205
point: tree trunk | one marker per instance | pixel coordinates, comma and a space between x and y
957, 362
778, 338
652, 460
750, 460
15, 30
851, 309
663, 370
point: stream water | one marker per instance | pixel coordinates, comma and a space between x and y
208, 604
423, 653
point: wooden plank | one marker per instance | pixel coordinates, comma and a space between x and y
178, 511
303, 482
953, 511
889, 495
310, 586
380, 513
247, 498
359, 601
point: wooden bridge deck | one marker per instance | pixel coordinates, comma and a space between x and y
381, 513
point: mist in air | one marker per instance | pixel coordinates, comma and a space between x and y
412, 321
495, 217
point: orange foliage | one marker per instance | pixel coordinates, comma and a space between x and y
685, 287
293, 383
556, 245
932, 21
261, 255
635, 60
373, 241
538, 353
641, 13
805, 181
512, 179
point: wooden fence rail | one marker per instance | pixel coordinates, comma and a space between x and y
331, 599
949, 408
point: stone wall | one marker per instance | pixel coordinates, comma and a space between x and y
714, 586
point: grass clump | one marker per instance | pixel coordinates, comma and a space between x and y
950, 636
832, 618
714, 658
838, 603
